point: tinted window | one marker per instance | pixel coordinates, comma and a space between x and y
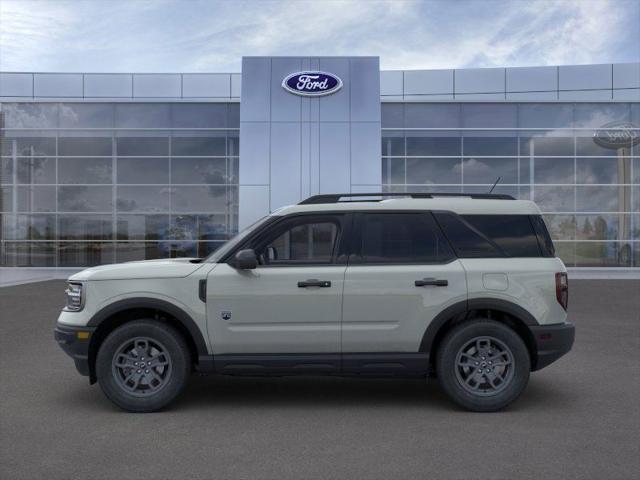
466, 241
308, 242
402, 238
513, 234
544, 239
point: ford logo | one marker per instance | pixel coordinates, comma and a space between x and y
312, 84
617, 135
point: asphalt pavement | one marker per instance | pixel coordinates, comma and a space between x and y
578, 418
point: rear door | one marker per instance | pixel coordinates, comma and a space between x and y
401, 275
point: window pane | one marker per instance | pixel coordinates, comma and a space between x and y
393, 170
489, 115
597, 115
148, 115
130, 251
142, 146
433, 146
392, 115
392, 145
554, 170
545, 115
85, 199
308, 243
85, 227
28, 227
514, 234
36, 199
199, 170
487, 170
30, 115
600, 198
29, 254
6, 199
199, 115
6, 170
86, 115
84, 170
434, 170
554, 199
142, 227
143, 199
566, 251
561, 227
586, 145
546, 146
85, 254
203, 199
603, 254
143, 170
466, 242
36, 170
425, 115
603, 170
29, 146
200, 227
402, 238
603, 227
79, 146
490, 146
233, 115
199, 146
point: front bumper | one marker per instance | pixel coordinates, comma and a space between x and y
75, 343
552, 342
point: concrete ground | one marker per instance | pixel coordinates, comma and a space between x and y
579, 418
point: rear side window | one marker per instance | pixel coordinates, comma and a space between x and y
467, 241
402, 238
544, 239
513, 234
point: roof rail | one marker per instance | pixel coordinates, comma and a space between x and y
335, 197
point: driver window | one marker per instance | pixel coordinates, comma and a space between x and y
312, 242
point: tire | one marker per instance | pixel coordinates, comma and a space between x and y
483, 365
143, 365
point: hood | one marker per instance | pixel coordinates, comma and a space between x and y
163, 268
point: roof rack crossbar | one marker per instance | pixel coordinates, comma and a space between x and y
335, 197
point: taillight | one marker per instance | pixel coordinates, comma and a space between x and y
562, 289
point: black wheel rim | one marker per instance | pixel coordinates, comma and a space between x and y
141, 366
484, 366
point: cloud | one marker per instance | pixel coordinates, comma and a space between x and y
199, 35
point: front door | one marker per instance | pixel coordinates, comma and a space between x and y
401, 274
286, 312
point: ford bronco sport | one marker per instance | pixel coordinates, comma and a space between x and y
466, 288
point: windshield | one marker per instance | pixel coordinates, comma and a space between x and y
233, 241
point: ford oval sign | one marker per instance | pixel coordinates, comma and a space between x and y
617, 135
312, 84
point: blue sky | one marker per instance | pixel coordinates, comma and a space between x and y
212, 36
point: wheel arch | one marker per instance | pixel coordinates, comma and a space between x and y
127, 310
502, 311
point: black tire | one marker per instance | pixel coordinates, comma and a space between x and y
458, 364
163, 382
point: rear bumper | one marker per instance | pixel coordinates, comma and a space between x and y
552, 342
77, 348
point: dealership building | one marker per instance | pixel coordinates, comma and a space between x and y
109, 167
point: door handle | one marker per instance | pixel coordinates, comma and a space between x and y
427, 282
314, 283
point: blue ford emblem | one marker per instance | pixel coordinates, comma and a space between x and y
312, 84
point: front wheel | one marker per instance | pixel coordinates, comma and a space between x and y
143, 365
483, 365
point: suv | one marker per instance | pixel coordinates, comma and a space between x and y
463, 287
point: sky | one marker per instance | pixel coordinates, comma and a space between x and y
212, 36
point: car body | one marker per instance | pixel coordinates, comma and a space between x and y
376, 285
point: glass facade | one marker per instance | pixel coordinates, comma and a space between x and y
546, 152
92, 183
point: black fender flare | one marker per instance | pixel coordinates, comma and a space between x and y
156, 304
465, 306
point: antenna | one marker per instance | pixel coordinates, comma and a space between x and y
494, 185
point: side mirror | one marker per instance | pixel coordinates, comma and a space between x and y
245, 260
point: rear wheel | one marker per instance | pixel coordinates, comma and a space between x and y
143, 365
483, 365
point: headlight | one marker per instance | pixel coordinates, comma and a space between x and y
75, 299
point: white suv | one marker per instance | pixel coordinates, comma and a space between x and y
463, 287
